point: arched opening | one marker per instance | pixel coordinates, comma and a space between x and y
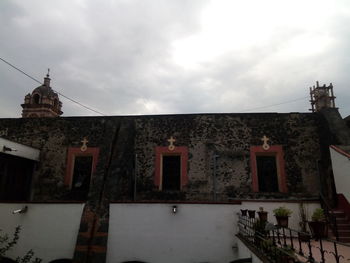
36, 99
6, 260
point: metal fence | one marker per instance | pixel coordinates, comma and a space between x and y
278, 244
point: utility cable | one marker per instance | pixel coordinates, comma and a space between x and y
72, 100
277, 104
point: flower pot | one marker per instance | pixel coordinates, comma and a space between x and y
262, 215
244, 212
318, 229
282, 221
251, 213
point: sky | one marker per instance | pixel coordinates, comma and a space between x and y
131, 57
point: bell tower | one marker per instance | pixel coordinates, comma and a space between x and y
42, 102
321, 97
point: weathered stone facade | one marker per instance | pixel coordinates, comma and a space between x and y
127, 149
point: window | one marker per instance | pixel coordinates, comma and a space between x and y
268, 174
80, 167
36, 99
171, 172
171, 168
15, 178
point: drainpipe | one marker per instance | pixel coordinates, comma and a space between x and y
214, 176
135, 177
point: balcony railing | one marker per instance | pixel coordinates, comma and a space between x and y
278, 244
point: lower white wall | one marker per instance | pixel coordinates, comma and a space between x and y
245, 252
49, 229
196, 233
341, 172
153, 233
146, 232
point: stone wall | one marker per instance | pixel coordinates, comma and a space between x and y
120, 139
229, 136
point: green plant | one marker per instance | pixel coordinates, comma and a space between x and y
282, 211
318, 215
7, 243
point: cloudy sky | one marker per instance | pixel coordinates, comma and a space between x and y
163, 56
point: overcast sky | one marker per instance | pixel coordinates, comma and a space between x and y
165, 56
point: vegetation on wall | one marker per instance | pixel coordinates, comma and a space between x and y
7, 243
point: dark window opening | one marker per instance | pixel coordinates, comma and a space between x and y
36, 99
171, 172
81, 177
7, 260
267, 173
15, 178
63, 260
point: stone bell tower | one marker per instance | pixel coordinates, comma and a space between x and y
321, 97
43, 102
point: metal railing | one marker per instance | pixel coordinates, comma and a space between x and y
278, 244
330, 217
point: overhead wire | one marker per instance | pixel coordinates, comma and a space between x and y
277, 104
98, 112
66, 97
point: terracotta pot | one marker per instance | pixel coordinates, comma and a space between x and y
318, 229
263, 215
251, 213
282, 221
244, 212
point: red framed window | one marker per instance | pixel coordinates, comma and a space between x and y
86, 160
268, 169
171, 168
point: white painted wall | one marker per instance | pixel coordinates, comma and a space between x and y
19, 150
196, 233
152, 233
341, 171
245, 252
49, 229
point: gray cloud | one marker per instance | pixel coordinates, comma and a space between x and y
117, 57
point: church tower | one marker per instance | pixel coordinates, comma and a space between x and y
43, 102
321, 97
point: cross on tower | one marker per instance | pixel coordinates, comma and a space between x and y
171, 141
265, 145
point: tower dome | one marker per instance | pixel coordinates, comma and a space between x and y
42, 102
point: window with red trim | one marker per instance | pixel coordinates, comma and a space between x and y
171, 168
268, 169
80, 167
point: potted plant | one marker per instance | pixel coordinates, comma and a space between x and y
318, 224
262, 214
303, 235
244, 212
251, 213
282, 213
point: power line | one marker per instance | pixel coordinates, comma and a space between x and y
72, 100
277, 104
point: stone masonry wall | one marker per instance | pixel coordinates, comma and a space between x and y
229, 136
